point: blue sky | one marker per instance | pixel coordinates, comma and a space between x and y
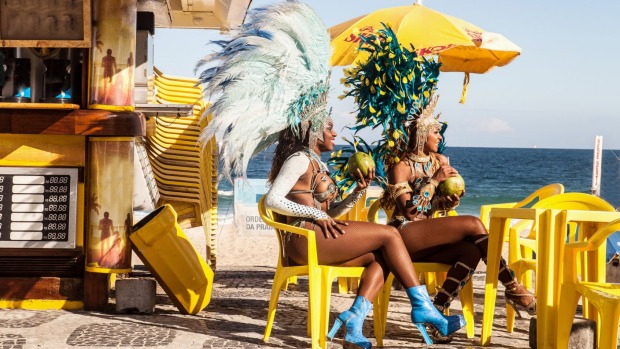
560, 93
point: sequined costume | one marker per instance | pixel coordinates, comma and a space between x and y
424, 200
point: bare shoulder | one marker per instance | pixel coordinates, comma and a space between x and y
399, 172
442, 158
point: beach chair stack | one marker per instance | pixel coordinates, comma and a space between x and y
185, 174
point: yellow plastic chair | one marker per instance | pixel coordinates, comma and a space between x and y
358, 213
525, 250
320, 279
466, 294
520, 264
604, 296
539, 194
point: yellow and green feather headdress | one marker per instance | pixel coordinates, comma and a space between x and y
392, 88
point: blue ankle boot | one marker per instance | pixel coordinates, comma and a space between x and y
353, 319
424, 312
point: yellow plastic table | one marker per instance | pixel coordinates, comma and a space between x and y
551, 225
498, 228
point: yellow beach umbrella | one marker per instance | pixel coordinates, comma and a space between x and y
460, 46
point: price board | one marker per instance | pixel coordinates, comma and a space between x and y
38, 207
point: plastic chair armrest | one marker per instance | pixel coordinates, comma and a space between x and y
514, 236
485, 211
309, 234
596, 240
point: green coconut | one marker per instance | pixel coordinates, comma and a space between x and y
360, 160
452, 185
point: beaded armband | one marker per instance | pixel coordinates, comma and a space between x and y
353, 198
422, 201
398, 189
347, 204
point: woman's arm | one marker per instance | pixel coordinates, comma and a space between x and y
275, 199
349, 202
400, 190
445, 171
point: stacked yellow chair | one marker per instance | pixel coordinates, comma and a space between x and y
320, 279
466, 294
185, 174
604, 296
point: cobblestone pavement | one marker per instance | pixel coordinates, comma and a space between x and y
236, 316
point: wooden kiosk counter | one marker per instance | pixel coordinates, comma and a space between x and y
73, 77
66, 191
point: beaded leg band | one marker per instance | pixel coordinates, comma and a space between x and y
516, 295
452, 285
506, 274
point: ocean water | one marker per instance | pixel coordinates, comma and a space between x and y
492, 175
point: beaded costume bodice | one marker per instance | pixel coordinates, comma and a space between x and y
422, 169
322, 187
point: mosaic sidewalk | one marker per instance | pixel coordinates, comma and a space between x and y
236, 316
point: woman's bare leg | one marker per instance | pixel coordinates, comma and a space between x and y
355, 248
430, 233
373, 278
352, 248
434, 237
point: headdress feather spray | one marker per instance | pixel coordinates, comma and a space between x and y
394, 90
271, 75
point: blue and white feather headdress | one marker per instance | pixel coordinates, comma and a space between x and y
272, 74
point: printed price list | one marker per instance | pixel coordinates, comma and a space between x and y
35, 207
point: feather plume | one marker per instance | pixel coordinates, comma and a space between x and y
394, 88
263, 80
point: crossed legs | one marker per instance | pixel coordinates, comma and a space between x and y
460, 241
377, 247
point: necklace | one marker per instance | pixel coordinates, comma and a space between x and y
316, 158
417, 158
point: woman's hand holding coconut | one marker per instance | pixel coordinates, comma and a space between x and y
364, 182
451, 185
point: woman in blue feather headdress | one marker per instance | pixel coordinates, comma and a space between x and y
395, 90
270, 83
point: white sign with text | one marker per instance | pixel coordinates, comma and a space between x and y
247, 192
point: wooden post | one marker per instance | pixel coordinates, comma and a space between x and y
96, 291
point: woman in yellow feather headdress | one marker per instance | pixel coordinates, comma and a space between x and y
395, 90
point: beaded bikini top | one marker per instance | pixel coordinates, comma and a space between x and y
331, 193
422, 169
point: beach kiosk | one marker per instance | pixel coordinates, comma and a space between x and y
73, 104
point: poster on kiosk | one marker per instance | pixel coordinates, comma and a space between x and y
112, 64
